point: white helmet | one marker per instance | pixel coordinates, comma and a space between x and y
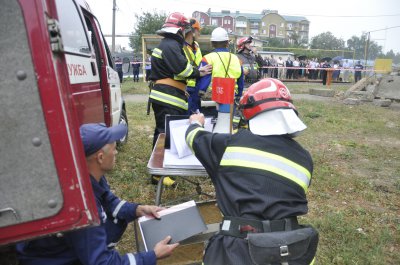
219, 34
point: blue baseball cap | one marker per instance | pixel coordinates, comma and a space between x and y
96, 135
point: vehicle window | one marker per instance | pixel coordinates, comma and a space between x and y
93, 39
72, 29
109, 57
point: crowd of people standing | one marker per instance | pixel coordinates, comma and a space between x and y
311, 69
257, 66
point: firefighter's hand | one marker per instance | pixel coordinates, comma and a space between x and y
202, 94
197, 118
205, 70
237, 100
151, 210
163, 250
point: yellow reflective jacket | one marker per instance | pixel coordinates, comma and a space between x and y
194, 57
225, 64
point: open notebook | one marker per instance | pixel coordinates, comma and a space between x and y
179, 155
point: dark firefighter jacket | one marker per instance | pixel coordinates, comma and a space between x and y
255, 177
169, 61
249, 63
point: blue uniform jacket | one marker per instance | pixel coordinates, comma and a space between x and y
89, 245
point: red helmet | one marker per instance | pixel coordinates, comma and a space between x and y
177, 20
242, 41
266, 94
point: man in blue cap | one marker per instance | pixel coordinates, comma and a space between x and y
95, 245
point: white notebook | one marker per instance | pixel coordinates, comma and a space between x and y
177, 133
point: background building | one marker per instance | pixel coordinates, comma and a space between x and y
268, 24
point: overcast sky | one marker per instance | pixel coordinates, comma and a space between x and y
344, 18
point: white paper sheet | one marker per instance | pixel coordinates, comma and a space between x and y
177, 136
172, 160
169, 210
178, 131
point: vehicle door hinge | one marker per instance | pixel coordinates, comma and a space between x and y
55, 35
105, 108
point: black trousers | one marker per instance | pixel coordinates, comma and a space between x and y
159, 115
324, 77
148, 73
136, 75
357, 77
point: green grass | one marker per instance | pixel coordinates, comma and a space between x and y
130, 87
354, 199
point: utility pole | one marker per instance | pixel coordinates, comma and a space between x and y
368, 33
366, 48
113, 27
384, 44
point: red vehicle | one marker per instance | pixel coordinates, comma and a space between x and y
56, 73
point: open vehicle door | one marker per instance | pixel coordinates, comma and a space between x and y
45, 187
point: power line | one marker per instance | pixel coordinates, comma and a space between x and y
343, 16
384, 29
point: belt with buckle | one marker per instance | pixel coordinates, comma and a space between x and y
239, 227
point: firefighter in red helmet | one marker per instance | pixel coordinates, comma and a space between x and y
170, 70
261, 177
242, 41
247, 56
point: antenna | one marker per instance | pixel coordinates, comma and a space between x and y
113, 27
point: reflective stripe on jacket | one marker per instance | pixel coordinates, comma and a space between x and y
273, 172
195, 58
185, 73
169, 61
253, 158
168, 99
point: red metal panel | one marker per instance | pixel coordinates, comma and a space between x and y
79, 207
88, 102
